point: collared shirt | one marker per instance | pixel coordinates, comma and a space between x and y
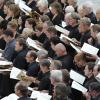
9, 50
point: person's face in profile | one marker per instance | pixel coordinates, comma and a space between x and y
18, 47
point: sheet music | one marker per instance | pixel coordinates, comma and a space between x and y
78, 87
87, 48
77, 77
40, 96
4, 63
14, 73
62, 30
33, 44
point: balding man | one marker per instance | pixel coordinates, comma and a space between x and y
63, 56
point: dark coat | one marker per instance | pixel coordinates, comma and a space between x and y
20, 61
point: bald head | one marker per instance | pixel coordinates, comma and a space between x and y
60, 49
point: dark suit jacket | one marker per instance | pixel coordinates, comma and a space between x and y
33, 69
74, 32
57, 20
45, 82
67, 61
92, 17
20, 61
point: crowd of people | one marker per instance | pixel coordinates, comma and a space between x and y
48, 69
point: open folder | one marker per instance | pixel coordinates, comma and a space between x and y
62, 30
5, 63
62, 36
24, 7
17, 73
77, 77
33, 44
40, 96
78, 87
87, 48
12, 96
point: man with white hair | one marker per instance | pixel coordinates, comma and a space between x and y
73, 3
63, 56
43, 7
56, 76
69, 9
88, 10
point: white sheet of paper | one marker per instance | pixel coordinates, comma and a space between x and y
17, 1
63, 24
32, 43
87, 48
40, 96
78, 87
3, 63
12, 96
24, 6
14, 73
5, 70
62, 30
66, 37
98, 77
77, 77
76, 48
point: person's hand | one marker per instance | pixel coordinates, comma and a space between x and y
24, 78
87, 95
76, 41
44, 91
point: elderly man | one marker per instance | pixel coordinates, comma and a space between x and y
88, 10
63, 56
84, 28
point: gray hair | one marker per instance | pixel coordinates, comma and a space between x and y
75, 15
42, 53
85, 21
69, 9
42, 3
88, 6
57, 75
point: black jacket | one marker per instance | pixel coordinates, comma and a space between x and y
92, 17
67, 61
20, 61
45, 82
